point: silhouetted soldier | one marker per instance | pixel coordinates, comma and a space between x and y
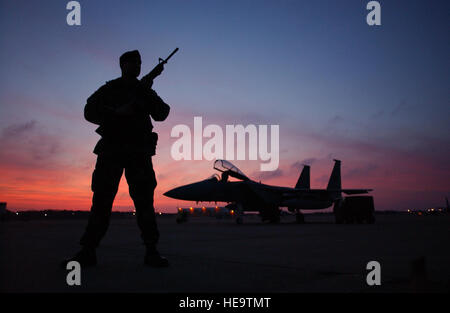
122, 108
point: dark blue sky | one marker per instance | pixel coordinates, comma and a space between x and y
317, 57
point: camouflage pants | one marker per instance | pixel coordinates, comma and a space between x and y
105, 183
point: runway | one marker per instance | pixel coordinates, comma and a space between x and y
210, 255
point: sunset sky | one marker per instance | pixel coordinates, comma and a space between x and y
377, 98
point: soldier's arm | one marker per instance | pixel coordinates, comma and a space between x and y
95, 109
147, 80
155, 106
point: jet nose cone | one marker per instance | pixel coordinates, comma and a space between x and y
175, 193
200, 191
186, 192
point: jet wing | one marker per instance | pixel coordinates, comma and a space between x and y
274, 194
355, 191
302, 192
299, 191
268, 194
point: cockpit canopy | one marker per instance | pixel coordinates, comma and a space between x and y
227, 167
214, 177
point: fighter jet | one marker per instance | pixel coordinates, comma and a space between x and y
246, 195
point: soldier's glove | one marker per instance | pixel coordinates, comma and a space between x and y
157, 70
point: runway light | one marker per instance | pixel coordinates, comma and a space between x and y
45, 214
191, 209
160, 213
17, 213
232, 212
180, 209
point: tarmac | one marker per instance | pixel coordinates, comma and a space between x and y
208, 255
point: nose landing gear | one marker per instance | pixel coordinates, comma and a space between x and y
299, 217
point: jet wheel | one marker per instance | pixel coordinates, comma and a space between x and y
300, 218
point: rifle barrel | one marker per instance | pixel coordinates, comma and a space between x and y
173, 52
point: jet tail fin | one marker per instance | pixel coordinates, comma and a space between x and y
335, 179
304, 179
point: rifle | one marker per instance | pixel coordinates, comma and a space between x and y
148, 79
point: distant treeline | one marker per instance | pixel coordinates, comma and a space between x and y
56, 214
66, 214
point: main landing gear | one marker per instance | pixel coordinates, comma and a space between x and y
299, 217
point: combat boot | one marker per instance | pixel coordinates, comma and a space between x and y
86, 257
154, 259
